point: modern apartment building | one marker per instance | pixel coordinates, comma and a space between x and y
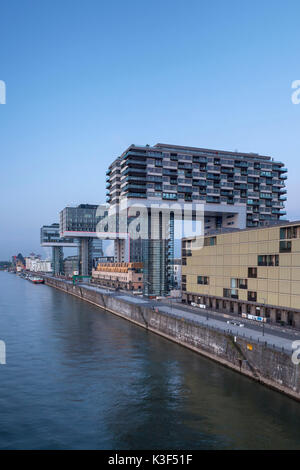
237, 190
127, 276
212, 177
252, 271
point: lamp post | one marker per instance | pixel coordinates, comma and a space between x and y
264, 302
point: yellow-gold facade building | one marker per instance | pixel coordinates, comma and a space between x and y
119, 275
254, 271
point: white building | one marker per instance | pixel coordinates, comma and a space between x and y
35, 264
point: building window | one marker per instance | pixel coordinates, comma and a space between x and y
183, 278
252, 272
210, 241
268, 260
243, 283
252, 296
169, 196
287, 233
239, 283
231, 293
285, 247
203, 280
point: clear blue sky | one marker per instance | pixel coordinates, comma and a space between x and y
85, 79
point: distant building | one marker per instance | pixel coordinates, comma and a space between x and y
177, 273
119, 275
35, 264
18, 262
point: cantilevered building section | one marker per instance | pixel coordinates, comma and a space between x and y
237, 190
50, 237
81, 223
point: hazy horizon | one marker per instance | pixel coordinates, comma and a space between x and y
86, 80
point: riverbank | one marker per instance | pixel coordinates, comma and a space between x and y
256, 360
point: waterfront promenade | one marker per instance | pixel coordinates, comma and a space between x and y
273, 336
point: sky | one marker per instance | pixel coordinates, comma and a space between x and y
87, 78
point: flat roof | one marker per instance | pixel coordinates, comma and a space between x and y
224, 231
190, 149
215, 151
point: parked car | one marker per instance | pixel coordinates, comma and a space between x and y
236, 323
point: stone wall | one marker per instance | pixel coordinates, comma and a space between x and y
262, 363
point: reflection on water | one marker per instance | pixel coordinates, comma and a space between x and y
78, 378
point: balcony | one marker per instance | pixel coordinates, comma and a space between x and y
137, 163
140, 188
134, 170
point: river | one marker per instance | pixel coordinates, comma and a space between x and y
77, 377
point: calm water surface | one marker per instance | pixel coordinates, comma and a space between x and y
80, 378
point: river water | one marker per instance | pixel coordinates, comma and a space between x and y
77, 377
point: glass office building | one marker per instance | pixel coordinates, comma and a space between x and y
81, 223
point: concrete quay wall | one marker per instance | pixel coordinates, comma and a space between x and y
268, 366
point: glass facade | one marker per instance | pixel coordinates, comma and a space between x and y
81, 222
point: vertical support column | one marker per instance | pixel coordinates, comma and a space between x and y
148, 285
121, 249
273, 315
170, 261
57, 260
84, 252
284, 316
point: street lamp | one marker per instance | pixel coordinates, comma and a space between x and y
264, 302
